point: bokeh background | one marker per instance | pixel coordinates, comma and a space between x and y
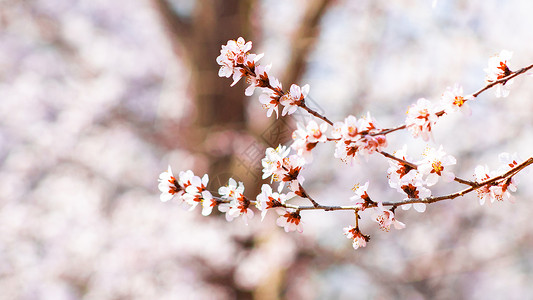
98, 97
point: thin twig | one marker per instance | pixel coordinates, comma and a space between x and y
306, 195
502, 80
414, 166
316, 114
488, 86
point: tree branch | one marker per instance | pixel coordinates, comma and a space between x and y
304, 39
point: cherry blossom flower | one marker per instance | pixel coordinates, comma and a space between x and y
315, 132
306, 138
239, 205
246, 69
231, 55
352, 128
294, 98
283, 168
240, 208
273, 161
347, 130
290, 220
359, 239
232, 190
361, 196
269, 200
421, 117
271, 97
234, 56
369, 144
433, 165
261, 79
193, 195
235, 209
502, 191
291, 167
346, 151
357, 137
495, 191
208, 203
397, 170
481, 173
289, 173
385, 218
454, 100
497, 69
170, 187
509, 160
412, 187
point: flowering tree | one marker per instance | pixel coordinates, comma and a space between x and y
354, 138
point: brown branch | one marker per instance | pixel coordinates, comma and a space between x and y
510, 173
390, 130
394, 205
414, 166
502, 80
306, 195
490, 181
251, 72
304, 39
316, 114
401, 161
488, 86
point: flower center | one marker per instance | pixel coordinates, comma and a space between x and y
437, 167
459, 101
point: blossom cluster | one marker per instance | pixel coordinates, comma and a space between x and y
497, 190
188, 188
306, 138
358, 239
238, 204
357, 137
423, 115
384, 217
498, 69
285, 168
237, 62
413, 179
353, 138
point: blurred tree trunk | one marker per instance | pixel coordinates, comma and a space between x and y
304, 39
197, 40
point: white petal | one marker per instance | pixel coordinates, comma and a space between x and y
166, 196
249, 90
406, 206
420, 207
205, 179
399, 225
207, 209
432, 179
